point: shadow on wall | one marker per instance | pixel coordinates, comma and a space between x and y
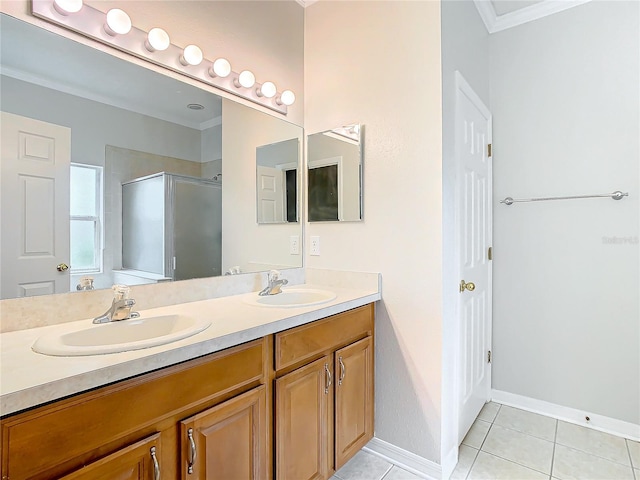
405, 399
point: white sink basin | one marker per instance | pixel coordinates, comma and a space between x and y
133, 334
291, 297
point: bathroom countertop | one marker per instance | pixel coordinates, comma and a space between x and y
28, 379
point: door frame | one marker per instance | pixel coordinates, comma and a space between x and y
462, 87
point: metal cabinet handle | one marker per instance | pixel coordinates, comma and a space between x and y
156, 465
192, 450
328, 378
343, 371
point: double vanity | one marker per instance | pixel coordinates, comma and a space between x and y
277, 390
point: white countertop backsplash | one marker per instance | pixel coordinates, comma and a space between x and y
28, 379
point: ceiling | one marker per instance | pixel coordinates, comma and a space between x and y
38, 56
499, 15
503, 7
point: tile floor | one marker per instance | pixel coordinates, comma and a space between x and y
507, 443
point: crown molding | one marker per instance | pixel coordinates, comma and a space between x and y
496, 23
305, 3
487, 13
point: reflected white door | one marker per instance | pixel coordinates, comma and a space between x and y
473, 135
270, 195
34, 202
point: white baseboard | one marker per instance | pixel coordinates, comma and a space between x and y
567, 414
404, 459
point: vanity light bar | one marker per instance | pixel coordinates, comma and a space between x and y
91, 22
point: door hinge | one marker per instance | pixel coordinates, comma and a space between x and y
489, 356
490, 253
489, 150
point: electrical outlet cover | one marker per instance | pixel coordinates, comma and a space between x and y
315, 245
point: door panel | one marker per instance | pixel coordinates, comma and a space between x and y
303, 399
473, 123
34, 190
230, 440
354, 399
270, 195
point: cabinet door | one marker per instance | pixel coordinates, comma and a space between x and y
139, 461
228, 441
354, 399
303, 428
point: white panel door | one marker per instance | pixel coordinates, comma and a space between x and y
34, 202
270, 195
473, 130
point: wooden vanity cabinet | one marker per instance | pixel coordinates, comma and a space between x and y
214, 417
227, 441
109, 432
324, 394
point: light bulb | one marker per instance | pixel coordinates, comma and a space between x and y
268, 89
157, 39
118, 22
220, 68
246, 79
65, 7
286, 98
192, 55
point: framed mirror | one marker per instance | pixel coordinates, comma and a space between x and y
277, 182
123, 123
334, 162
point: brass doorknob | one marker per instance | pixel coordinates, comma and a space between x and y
62, 267
467, 286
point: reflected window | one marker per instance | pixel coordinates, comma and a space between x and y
86, 218
323, 193
291, 192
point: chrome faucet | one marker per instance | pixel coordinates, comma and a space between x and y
274, 284
120, 308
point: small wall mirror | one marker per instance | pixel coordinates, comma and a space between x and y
277, 182
335, 175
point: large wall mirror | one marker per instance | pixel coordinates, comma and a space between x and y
334, 160
148, 159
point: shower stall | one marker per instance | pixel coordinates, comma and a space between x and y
172, 226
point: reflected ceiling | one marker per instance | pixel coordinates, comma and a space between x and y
50, 60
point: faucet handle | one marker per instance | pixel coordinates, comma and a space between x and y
120, 292
273, 275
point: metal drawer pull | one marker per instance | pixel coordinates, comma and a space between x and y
328, 377
156, 465
192, 450
343, 371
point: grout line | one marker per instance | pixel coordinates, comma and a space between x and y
577, 449
516, 463
553, 455
472, 463
633, 470
499, 408
387, 472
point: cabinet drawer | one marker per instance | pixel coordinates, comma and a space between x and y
304, 343
57, 438
135, 462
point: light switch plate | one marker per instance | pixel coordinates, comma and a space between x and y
294, 245
315, 245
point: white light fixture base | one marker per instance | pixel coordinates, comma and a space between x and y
90, 21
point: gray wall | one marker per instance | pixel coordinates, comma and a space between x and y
564, 95
94, 125
465, 47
